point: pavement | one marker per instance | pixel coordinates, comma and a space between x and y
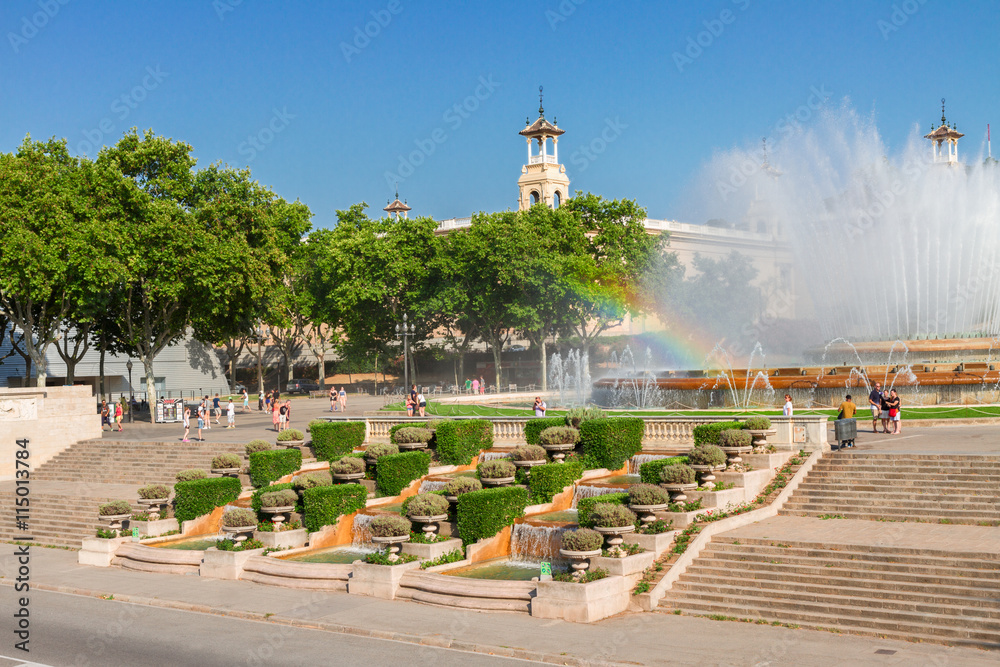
434, 634
971, 439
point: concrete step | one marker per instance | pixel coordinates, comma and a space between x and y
751, 559
902, 515
874, 500
832, 555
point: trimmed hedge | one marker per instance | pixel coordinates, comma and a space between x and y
546, 480
534, 426
270, 466
255, 503
612, 441
459, 440
200, 496
708, 434
331, 440
394, 472
485, 513
585, 506
323, 505
649, 472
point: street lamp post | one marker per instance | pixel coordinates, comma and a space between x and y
404, 331
128, 365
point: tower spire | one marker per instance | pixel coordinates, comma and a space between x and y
942, 112
541, 109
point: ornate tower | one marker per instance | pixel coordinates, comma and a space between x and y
944, 141
543, 179
397, 207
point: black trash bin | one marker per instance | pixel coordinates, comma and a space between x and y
845, 431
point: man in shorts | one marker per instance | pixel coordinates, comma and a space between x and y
230, 414
282, 417
847, 410
217, 408
875, 403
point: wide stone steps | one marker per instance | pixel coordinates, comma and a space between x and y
960, 499
756, 551
899, 516
875, 501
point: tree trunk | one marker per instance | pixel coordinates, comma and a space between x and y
104, 349
545, 373
147, 364
41, 367
497, 366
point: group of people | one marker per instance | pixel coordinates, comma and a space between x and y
475, 386
885, 408
112, 415
416, 403
338, 399
204, 413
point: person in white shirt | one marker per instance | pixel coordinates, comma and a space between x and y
789, 409
422, 404
230, 414
539, 407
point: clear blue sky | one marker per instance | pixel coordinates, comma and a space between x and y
331, 125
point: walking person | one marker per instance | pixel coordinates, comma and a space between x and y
216, 408
789, 409
105, 416
230, 414
894, 416
288, 413
875, 404
267, 401
475, 386
274, 415
468, 386
333, 399
187, 424
202, 414
246, 400
119, 413
282, 417
422, 405
342, 399
482, 385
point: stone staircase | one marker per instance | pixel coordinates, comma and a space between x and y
901, 487
922, 594
66, 490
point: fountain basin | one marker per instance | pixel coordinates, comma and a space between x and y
501, 569
343, 555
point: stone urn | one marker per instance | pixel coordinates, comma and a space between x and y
613, 535
527, 465
760, 437
153, 506
226, 472
558, 451
430, 524
277, 514
733, 453
239, 533
291, 444
496, 481
705, 472
411, 446
393, 543
114, 521
677, 494
646, 512
579, 560
346, 477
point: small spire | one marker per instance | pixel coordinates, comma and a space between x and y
763, 142
555, 121
942, 112
527, 121
541, 110
397, 189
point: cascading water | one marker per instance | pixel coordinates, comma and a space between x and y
637, 460
360, 535
586, 491
429, 485
720, 359
491, 456
531, 543
632, 388
570, 377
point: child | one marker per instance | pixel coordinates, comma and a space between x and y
187, 424
230, 414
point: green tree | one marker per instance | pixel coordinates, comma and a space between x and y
720, 297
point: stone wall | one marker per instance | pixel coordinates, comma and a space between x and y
51, 418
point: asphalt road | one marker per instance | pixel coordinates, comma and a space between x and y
69, 630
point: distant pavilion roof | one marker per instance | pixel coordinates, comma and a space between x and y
397, 207
541, 127
944, 132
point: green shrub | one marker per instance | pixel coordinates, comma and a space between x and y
582, 539
309, 481
733, 438
608, 515
191, 474
496, 469
757, 423
347, 466
154, 491
389, 525
647, 494
267, 467
433, 424
546, 480
196, 497
707, 455
708, 434
410, 435
559, 435
585, 506
533, 427
331, 440
576, 416
290, 434
223, 461
324, 505
395, 471
114, 507
649, 472
528, 453
460, 485
485, 513
612, 441
239, 517
380, 449
281, 498
427, 504
460, 440
258, 446
677, 474
255, 502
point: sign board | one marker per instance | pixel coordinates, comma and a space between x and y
546, 568
135, 533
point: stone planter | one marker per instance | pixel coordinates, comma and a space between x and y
217, 564
580, 603
558, 452
284, 539
239, 533
627, 566
760, 437
153, 505
346, 477
613, 535
646, 512
154, 528
430, 524
98, 551
290, 444
580, 560
277, 513
113, 521
498, 481
411, 446
379, 581
392, 543
434, 550
226, 472
677, 491
655, 544
705, 472
527, 465
733, 453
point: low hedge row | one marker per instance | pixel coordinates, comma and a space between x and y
459, 440
323, 505
272, 465
394, 472
612, 441
585, 506
533, 427
485, 513
200, 496
649, 472
708, 434
545, 481
331, 440
255, 498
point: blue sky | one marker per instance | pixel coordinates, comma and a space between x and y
324, 115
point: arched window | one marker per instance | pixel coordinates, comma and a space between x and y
534, 197
556, 200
